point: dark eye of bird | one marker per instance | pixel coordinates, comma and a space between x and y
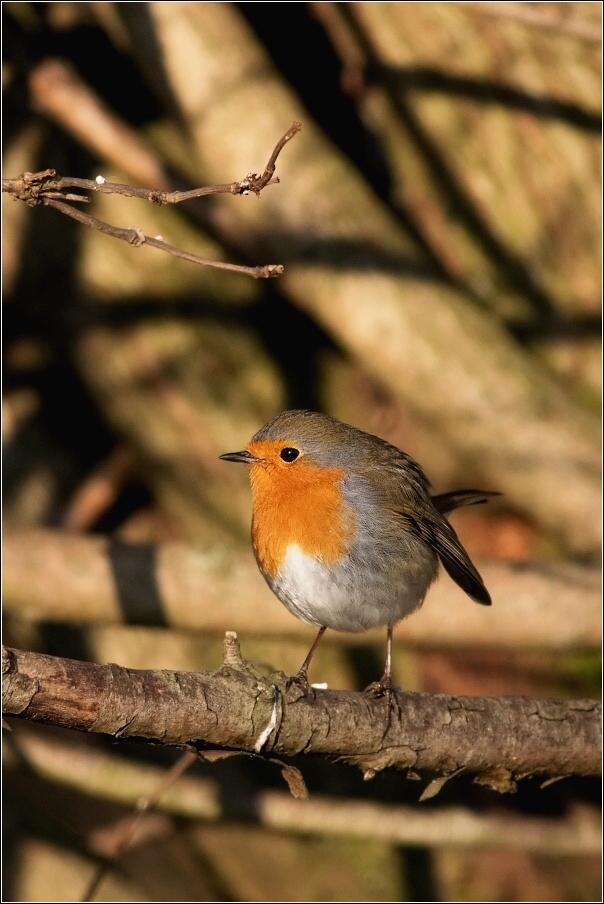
289, 454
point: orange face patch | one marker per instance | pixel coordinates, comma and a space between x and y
297, 503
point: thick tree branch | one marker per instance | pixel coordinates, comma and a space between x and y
495, 740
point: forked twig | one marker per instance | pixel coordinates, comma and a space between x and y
44, 188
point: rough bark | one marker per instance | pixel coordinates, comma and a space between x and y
495, 740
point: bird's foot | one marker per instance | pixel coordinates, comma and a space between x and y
383, 688
300, 679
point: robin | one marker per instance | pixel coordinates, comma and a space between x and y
345, 529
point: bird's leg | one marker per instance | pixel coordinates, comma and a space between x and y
384, 685
301, 677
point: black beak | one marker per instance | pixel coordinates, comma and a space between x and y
245, 457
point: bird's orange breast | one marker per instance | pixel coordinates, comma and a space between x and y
297, 504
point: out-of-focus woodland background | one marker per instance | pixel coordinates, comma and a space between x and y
439, 220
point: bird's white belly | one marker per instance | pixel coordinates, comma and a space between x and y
343, 597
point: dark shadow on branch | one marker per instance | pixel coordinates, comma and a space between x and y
434, 81
134, 570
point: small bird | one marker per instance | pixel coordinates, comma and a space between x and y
345, 530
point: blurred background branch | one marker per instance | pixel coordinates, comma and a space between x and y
100, 581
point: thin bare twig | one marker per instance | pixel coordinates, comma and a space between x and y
33, 187
137, 238
43, 188
258, 182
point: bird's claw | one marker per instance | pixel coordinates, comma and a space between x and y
383, 688
380, 688
300, 679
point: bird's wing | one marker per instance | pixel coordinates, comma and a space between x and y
436, 531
